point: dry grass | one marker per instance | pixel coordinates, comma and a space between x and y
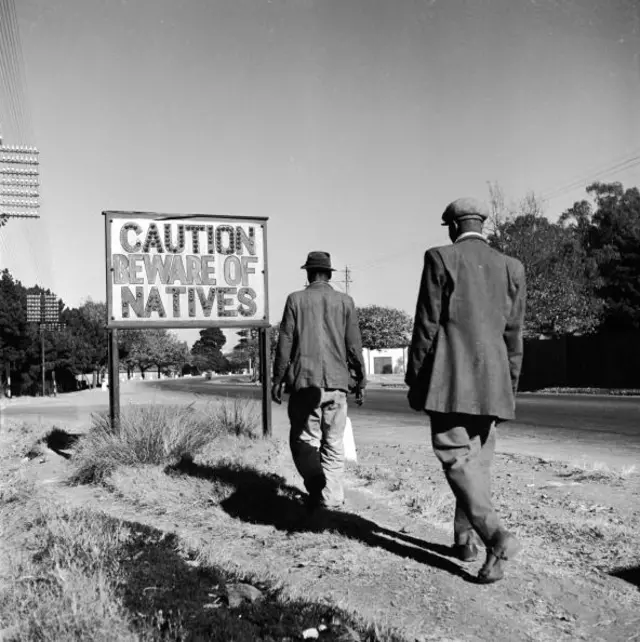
430, 501
58, 574
599, 472
237, 416
161, 435
72, 574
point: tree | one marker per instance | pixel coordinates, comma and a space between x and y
382, 327
499, 211
207, 350
85, 333
15, 337
612, 237
247, 350
20, 355
561, 296
167, 351
143, 348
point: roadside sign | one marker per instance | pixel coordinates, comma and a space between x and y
186, 271
195, 271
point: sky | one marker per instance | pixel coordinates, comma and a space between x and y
351, 124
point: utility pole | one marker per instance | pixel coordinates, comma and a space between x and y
347, 278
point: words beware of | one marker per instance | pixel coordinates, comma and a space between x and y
174, 271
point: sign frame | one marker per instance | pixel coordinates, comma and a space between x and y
113, 324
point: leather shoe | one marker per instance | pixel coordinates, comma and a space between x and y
505, 549
466, 552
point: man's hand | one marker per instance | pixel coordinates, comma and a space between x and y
276, 392
359, 392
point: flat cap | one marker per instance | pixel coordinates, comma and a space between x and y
463, 208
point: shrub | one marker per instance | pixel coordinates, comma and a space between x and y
159, 434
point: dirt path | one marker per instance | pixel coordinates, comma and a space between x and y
389, 562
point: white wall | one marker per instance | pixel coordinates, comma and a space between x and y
398, 359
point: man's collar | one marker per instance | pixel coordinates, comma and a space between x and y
471, 235
319, 283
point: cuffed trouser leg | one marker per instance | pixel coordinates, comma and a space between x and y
465, 445
318, 418
334, 419
305, 438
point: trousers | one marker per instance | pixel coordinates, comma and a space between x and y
318, 418
465, 445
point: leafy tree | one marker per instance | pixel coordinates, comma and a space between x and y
383, 327
611, 235
247, 350
17, 337
167, 351
207, 350
561, 286
145, 348
85, 333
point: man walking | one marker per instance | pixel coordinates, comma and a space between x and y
463, 370
319, 345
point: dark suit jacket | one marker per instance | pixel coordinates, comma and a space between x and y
319, 342
466, 351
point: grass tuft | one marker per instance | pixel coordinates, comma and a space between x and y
599, 472
160, 435
57, 582
238, 416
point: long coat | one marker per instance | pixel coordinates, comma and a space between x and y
466, 351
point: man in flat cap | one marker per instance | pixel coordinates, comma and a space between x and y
463, 370
319, 354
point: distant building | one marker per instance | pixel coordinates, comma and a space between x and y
391, 361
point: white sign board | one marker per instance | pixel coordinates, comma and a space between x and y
177, 271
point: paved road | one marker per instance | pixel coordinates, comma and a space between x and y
566, 426
570, 426
582, 413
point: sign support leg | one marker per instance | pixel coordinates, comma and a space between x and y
42, 354
114, 381
264, 335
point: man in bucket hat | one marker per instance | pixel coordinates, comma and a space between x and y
319, 345
463, 370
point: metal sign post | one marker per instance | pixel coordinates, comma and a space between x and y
186, 271
43, 366
114, 381
264, 335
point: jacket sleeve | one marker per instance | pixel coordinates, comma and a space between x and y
353, 343
427, 318
515, 321
285, 342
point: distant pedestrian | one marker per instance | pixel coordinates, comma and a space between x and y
318, 347
463, 370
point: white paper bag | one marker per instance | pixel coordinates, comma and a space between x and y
349, 443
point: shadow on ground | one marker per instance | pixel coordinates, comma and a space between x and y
631, 575
174, 598
266, 499
58, 440
61, 441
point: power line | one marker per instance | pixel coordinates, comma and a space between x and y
625, 164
